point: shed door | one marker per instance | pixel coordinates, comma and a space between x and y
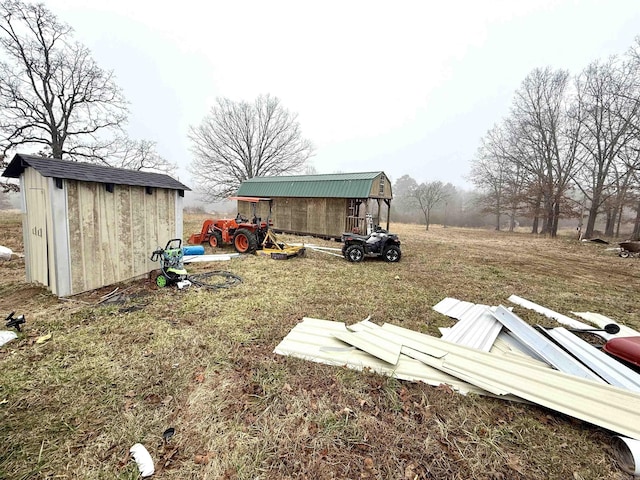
38, 258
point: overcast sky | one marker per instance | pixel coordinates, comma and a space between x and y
407, 87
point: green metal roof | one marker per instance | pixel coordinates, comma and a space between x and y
336, 185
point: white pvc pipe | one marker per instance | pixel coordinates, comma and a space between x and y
628, 452
143, 459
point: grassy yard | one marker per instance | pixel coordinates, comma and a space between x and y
201, 361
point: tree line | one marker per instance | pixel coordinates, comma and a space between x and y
569, 148
56, 100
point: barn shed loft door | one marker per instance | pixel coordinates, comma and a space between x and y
38, 254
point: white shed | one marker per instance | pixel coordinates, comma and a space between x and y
86, 226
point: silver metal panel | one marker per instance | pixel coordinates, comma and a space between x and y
477, 329
614, 372
452, 307
518, 345
542, 346
558, 317
376, 346
312, 340
502, 347
604, 405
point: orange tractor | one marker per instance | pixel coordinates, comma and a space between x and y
246, 235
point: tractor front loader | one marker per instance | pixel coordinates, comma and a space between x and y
246, 235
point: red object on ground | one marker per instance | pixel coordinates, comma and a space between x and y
624, 348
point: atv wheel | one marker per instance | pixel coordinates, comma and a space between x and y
245, 241
354, 253
161, 281
215, 240
391, 254
624, 253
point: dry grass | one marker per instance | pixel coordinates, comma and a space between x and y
201, 362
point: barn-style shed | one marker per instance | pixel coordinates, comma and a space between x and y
321, 205
86, 226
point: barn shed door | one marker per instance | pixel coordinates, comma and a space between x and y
38, 257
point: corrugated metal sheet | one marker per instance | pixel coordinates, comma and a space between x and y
342, 185
612, 371
312, 339
476, 328
452, 307
601, 404
510, 348
516, 344
378, 347
542, 346
558, 317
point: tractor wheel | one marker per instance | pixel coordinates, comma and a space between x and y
244, 241
161, 281
215, 239
391, 254
354, 253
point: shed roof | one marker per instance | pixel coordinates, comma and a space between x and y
336, 185
89, 172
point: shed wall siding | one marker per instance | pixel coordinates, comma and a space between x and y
112, 234
335, 216
317, 216
59, 251
299, 214
36, 222
375, 188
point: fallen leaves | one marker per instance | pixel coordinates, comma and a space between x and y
203, 458
43, 338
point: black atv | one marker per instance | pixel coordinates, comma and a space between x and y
380, 243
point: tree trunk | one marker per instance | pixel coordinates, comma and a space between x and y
611, 220
555, 219
534, 226
619, 220
636, 225
593, 213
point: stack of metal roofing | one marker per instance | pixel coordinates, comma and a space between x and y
490, 351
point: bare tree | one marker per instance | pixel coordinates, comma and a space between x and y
609, 117
497, 172
427, 195
241, 140
547, 140
52, 93
139, 155
310, 169
6, 185
405, 206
